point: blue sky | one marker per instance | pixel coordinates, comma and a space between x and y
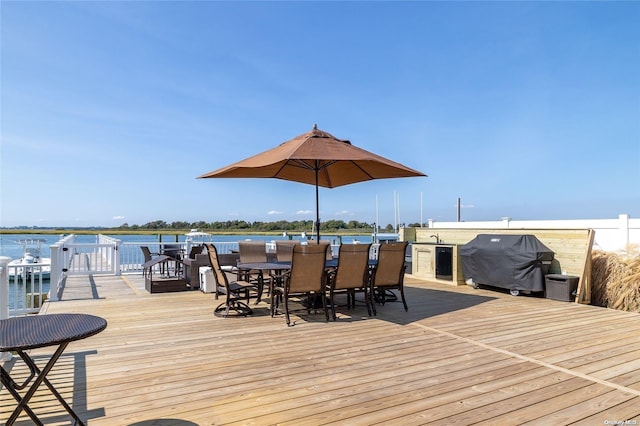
110, 110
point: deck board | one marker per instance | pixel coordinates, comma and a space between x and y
459, 356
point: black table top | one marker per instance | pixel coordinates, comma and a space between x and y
36, 331
265, 265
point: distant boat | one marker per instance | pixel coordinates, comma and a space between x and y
30, 263
197, 237
385, 237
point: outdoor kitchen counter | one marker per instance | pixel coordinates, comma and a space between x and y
437, 262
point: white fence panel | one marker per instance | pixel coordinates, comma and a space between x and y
23, 289
60, 261
619, 234
4, 287
88, 258
132, 258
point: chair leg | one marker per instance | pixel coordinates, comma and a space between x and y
272, 306
275, 302
367, 301
260, 287
309, 303
333, 305
372, 300
404, 302
324, 305
286, 311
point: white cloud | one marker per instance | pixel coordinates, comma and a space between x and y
305, 212
118, 217
343, 213
272, 212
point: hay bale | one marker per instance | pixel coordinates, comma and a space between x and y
616, 280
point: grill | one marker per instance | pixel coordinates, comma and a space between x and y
514, 262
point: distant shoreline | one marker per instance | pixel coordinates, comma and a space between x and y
57, 231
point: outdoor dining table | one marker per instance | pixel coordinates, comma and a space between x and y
278, 268
174, 254
21, 334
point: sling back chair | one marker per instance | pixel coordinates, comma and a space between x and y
351, 275
329, 252
389, 273
234, 291
305, 279
284, 250
253, 252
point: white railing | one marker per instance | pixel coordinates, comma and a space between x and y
60, 262
4, 287
4, 298
23, 289
109, 248
131, 257
621, 233
23, 292
73, 258
91, 259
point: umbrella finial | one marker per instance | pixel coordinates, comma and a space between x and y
315, 126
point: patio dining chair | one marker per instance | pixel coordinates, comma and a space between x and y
234, 291
329, 252
253, 252
351, 276
148, 255
191, 265
194, 251
284, 250
305, 280
174, 251
389, 274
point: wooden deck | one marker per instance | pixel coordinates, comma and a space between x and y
459, 356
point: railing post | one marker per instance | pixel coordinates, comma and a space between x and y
56, 272
4, 297
116, 256
4, 287
623, 231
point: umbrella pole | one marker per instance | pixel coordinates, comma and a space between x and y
317, 209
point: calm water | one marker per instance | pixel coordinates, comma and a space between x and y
9, 246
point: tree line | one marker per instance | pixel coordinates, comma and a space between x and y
258, 226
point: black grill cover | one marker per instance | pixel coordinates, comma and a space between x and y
514, 262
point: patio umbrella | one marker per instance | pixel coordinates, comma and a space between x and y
316, 158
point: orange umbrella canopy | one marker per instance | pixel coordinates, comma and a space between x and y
335, 162
317, 158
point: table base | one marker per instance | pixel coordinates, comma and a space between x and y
40, 377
